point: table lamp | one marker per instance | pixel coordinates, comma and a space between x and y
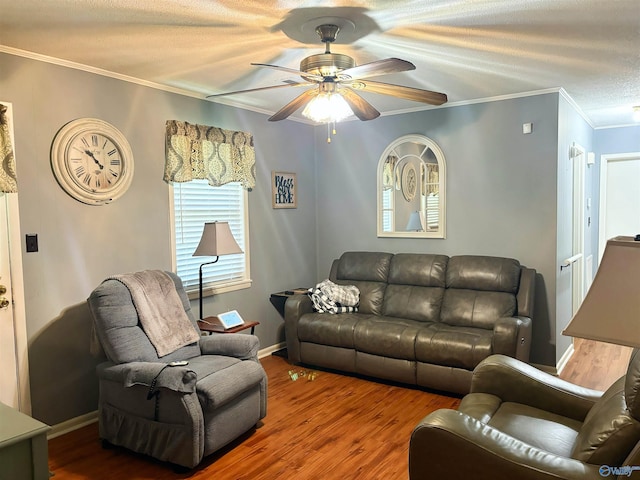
415, 222
611, 310
216, 240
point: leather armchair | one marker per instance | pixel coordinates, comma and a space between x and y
177, 414
520, 423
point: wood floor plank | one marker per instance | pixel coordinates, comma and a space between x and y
334, 427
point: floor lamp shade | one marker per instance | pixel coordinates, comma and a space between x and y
611, 310
216, 240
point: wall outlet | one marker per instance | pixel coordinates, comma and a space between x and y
32, 243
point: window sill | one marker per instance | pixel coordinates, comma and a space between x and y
210, 290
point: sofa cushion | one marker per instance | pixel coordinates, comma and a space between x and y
416, 286
415, 303
423, 270
329, 329
369, 272
544, 430
368, 266
493, 274
387, 336
462, 347
473, 308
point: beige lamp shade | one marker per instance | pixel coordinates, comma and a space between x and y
216, 240
611, 310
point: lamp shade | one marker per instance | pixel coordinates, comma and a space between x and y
611, 310
415, 223
216, 240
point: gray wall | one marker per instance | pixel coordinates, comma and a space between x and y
80, 245
501, 190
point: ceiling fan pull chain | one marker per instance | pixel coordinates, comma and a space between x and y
328, 132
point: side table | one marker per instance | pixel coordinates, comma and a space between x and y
213, 327
23, 446
278, 300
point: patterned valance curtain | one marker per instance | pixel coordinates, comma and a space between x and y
203, 152
432, 178
8, 182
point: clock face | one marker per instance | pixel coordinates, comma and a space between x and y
95, 162
92, 161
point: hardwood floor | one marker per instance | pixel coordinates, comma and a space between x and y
334, 427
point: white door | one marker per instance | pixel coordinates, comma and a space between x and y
619, 196
14, 380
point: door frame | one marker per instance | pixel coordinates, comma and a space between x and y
604, 161
17, 289
578, 165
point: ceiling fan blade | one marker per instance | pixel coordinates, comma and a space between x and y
308, 76
298, 102
408, 93
379, 67
361, 108
292, 84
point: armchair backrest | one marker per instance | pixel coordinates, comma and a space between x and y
611, 430
118, 328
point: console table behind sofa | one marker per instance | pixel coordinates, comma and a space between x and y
423, 319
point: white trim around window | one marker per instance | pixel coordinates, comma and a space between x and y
229, 203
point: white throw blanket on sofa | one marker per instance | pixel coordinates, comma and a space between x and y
333, 298
160, 310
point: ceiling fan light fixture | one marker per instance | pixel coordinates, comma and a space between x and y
327, 107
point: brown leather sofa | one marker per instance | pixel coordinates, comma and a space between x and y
423, 319
521, 423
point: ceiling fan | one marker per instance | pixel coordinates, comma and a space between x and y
334, 73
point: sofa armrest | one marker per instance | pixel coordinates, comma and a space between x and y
512, 337
177, 379
449, 444
294, 308
238, 345
514, 381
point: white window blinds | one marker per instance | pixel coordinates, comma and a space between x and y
195, 203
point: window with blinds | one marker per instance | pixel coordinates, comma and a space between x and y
195, 203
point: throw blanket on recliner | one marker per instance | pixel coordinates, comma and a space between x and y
160, 310
333, 298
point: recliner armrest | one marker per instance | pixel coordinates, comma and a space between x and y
449, 444
177, 379
294, 308
238, 345
512, 337
514, 381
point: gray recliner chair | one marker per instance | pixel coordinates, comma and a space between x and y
178, 414
521, 423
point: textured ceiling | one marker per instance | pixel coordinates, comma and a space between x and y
469, 50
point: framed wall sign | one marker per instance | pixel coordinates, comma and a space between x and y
284, 188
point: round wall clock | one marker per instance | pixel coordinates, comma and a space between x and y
92, 161
409, 182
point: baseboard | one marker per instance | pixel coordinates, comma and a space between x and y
72, 424
92, 417
565, 358
265, 352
